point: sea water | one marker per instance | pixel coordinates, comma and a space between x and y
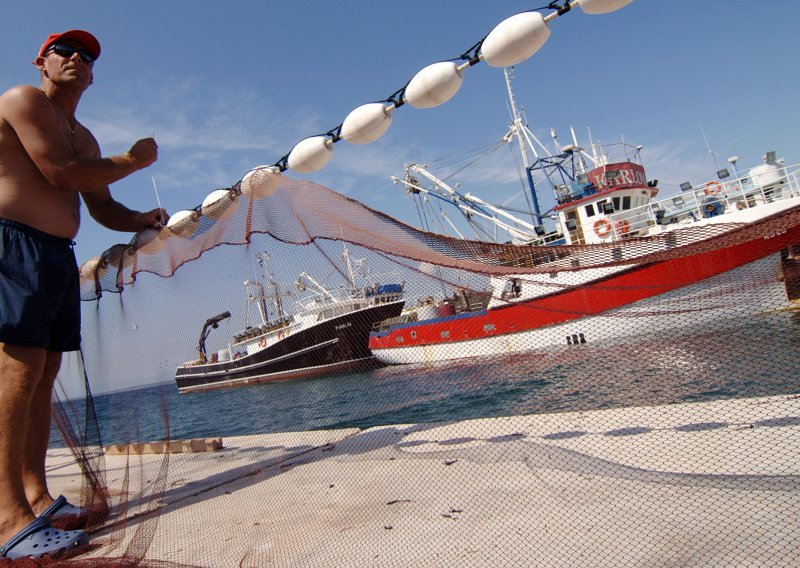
759, 356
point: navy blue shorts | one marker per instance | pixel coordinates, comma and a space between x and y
39, 289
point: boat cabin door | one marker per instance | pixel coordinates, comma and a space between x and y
574, 227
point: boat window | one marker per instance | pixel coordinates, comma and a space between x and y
590, 210
626, 202
616, 203
400, 339
445, 334
488, 327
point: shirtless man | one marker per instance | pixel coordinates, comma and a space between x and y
47, 158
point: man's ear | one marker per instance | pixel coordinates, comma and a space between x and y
39, 63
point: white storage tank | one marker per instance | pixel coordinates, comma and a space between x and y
769, 174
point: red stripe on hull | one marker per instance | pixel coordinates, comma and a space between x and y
590, 299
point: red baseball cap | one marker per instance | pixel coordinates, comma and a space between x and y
86, 39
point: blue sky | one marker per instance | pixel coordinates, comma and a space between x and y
227, 86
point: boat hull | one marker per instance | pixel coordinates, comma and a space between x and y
334, 345
658, 295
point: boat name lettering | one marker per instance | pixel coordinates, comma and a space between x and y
344, 325
623, 174
775, 234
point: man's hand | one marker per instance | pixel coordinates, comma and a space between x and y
144, 152
154, 219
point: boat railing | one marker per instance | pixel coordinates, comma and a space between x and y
574, 192
258, 331
555, 237
707, 201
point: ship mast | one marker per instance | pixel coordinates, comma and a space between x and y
255, 295
346, 256
263, 260
323, 291
477, 212
518, 129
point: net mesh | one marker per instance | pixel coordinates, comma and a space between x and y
630, 403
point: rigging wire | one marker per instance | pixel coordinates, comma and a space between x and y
458, 157
423, 218
469, 167
467, 164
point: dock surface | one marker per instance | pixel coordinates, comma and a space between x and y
700, 484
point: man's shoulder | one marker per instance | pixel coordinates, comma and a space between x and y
20, 94
23, 91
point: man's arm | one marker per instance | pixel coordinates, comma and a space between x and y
35, 120
115, 216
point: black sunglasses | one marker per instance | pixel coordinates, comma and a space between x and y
67, 51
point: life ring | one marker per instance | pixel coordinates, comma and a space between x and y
622, 226
262, 342
602, 227
713, 188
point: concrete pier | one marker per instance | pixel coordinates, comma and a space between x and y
702, 484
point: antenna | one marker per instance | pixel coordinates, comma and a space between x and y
591, 144
710, 151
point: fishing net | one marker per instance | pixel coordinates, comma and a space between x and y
629, 403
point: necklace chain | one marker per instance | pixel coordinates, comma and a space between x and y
71, 128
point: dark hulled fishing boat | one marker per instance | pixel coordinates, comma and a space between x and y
328, 333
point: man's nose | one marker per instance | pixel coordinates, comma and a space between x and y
77, 57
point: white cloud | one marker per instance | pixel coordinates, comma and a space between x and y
192, 112
674, 162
